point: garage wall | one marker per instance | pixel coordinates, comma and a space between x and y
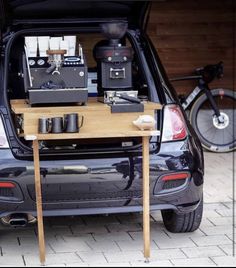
193, 33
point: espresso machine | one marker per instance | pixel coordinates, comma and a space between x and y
55, 77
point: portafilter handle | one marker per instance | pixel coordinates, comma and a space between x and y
56, 58
129, 98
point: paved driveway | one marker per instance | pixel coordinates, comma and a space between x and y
116, 240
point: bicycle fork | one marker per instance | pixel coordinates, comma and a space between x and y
213, 104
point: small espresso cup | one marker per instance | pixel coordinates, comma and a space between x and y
57, 125
71, 123
44, 125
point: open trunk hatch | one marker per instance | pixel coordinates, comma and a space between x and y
31, 11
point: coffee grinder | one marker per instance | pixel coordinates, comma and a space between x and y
114, 62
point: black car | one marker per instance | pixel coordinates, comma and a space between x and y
95, 176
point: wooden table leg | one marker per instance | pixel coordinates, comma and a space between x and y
146, 199
38, 192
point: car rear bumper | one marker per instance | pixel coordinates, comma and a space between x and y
104, 185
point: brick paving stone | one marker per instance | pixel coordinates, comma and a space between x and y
195, 262
56, 265
77, 265
117, 257
166, 254
133, 245
222, 221
215, 177
228, 249
19, 265
197, 233
202, 252
138, 236
211, 213
225, 212
212, 240
11, 259
93, 258
12, 234
129, 227
100, 219
95, 229
182, 242
216, 195
227, 261
9, 239
50, 265
217, 230
131, 218
53, 259
117, 264
206, 223
33, 241
31, 248
104, 246
228, 204
214, 206
6, 265
75, 238
164, 263
57, 230
70, 246
115, 236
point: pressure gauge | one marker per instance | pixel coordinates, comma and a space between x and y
41, 62
31, 62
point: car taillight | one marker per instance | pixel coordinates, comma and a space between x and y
7, 185
3, 138
174, 127
175, 176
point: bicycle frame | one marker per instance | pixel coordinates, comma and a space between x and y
202, 86
191, 97
194, 94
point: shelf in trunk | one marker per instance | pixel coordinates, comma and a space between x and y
22, 106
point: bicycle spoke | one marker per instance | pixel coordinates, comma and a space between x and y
213, 136
212, 127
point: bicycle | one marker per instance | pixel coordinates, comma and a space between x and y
211, 111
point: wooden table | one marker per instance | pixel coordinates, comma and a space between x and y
111, 126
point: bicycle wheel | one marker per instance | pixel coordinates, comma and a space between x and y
215, 136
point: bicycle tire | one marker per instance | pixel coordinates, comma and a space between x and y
199, 112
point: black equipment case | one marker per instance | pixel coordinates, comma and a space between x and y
114, 68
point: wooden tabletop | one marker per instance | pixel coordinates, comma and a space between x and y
99, 122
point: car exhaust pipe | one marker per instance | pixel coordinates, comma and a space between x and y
18, 220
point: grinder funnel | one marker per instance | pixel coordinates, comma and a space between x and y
114, 31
